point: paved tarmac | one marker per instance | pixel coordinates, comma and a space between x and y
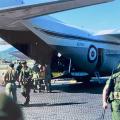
66, 102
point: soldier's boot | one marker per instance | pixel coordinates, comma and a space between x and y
40, 86
49, 90
27, 101
39, 90
34, 91
24, 94
45, 88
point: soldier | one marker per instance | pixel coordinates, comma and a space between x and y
9, 110
111, 94
10, 79
25, 78
47, 78
18, 69
41, 77
35, 76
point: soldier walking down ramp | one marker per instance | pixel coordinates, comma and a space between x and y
111, 94
10, 79
25, 78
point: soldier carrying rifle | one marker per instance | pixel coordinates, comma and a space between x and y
25, 79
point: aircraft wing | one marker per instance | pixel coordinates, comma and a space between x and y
12, 15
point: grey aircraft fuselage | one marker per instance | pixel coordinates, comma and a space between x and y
40, 37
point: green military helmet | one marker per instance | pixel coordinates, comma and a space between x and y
9, 110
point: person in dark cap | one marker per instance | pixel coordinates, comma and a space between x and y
25, 78
9, 110
10, 79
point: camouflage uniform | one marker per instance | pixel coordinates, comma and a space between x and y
114, 98
10, 78
35, 76
25, 78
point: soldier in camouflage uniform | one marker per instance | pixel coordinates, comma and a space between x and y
18, 69
25, 78
111, 94
10, 79
35, 77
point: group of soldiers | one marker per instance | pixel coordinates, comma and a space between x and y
27, 78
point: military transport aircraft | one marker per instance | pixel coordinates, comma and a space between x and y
43, 37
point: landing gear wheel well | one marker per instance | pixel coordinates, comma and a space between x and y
84, 79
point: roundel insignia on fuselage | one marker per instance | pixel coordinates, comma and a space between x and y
92, 54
